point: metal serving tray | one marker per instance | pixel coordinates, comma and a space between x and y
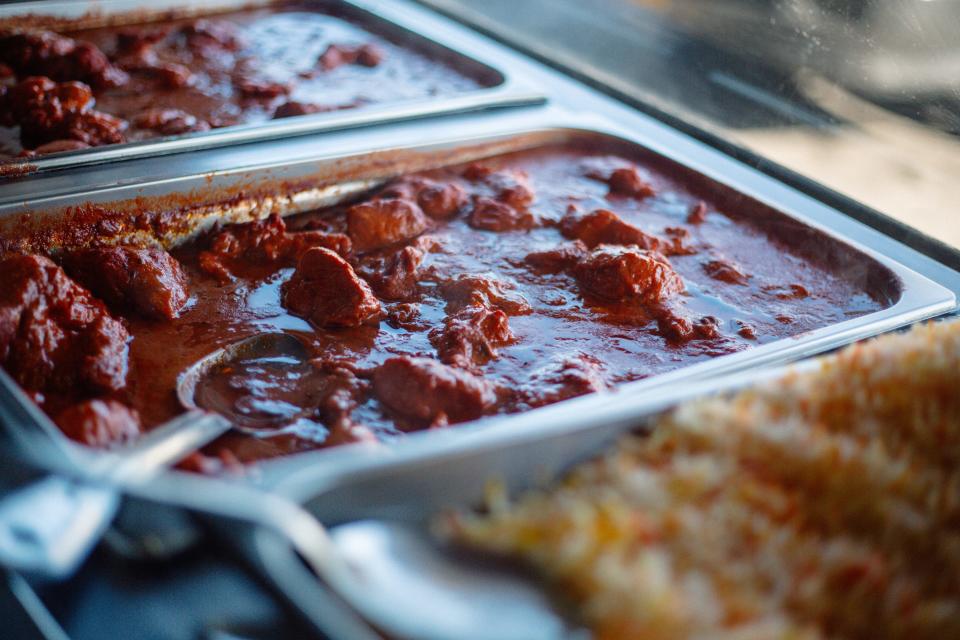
499, 86
378, 512
177, 209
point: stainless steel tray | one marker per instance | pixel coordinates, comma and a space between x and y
378, 516
403, 22
290, 186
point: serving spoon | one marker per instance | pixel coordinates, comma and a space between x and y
48, 527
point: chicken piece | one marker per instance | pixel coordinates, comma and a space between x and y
725, 272
337, 55
563, 379
605, 227
100, 423
506, 186
145, 279
563, 257
169, 122
431, 393
382, 222
484, 291
677, 327
471, 336
265, 243
44, 53
325, 290
441, 201
55, 336
395, 277
46, 112
623, 181
628, 273
492, 215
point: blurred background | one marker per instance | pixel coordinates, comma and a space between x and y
862, 96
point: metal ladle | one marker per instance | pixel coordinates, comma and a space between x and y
48, 527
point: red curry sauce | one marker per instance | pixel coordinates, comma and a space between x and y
62, 92
446, 296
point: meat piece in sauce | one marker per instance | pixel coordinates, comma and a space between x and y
698, 213
677, 327
169, 122
624, 181
566, 378
44, 53
493, 215
382, 222
395, 277
325, 290
256, 87
725, 272
55, 336
293, 108
628, 273
431, 393
48, 112
145, 279
471, 336
508, 186
264, 243
100, 423
484, 291
337, 55
565, 256
439, 201
605, 227
57, 146
204, 35
138, 42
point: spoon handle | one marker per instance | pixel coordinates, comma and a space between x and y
169, 443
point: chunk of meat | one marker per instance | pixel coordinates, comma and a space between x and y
55, 336
265, 243
698, 213
203, 35
507, 186
628, 273
566, 378
677, 327
100, 423
484, 291
169, 122
440, 201
725, 272
44, 53
57, 146
565, 256
381, 222
293, 108
493, 215
428, 392
325, 290
605, 227
257, 87
471, 336
395, 277
337, 55
46, 111
145, 279
623, 181
137, 41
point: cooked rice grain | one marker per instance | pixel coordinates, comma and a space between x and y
826, 505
